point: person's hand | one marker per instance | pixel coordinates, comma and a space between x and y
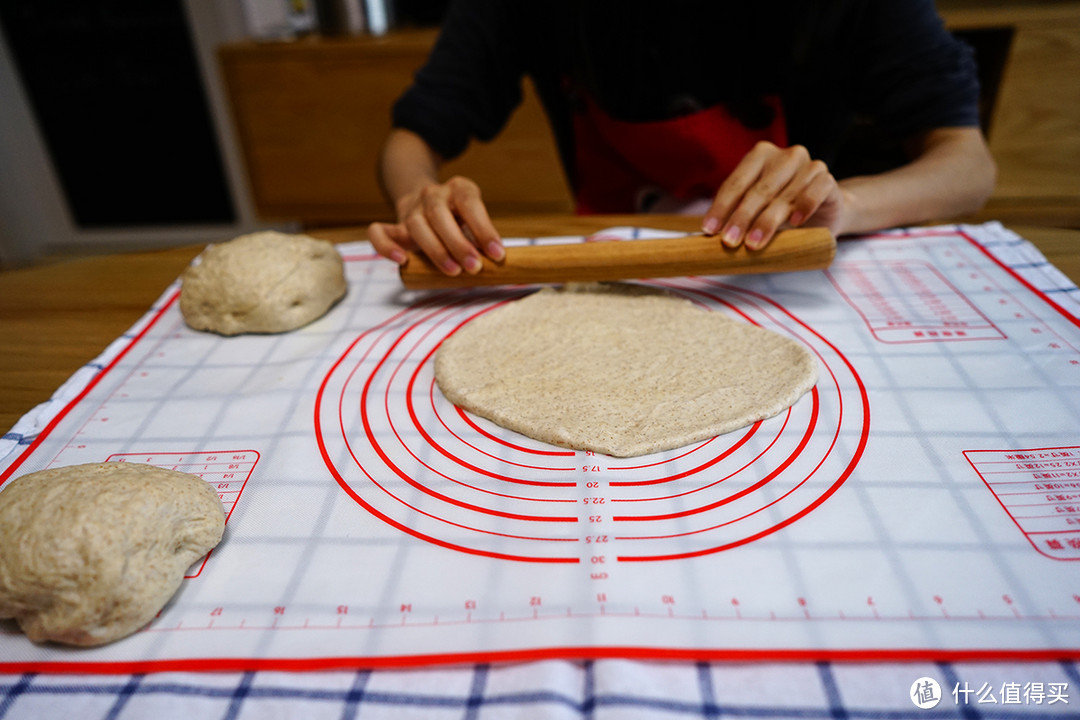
447, 221
773, 188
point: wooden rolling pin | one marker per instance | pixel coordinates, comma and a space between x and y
790, 250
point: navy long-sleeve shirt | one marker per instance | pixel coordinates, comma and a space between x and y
836, 65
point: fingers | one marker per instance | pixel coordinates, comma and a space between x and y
771, 188
437, 235
478, 226
734, 188
449, 223
390, 240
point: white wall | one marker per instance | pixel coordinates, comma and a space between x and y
34, 218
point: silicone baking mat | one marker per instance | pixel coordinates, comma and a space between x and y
923, 501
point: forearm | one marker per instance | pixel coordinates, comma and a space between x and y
406, 165
952, 174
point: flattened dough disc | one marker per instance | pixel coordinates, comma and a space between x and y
619, 369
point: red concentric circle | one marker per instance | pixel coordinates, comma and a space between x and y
412, 459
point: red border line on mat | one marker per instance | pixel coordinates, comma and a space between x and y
86, 390
917, 654
959, 231
1020, 279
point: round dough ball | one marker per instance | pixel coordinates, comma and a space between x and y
265, 282
90, 553
619, 369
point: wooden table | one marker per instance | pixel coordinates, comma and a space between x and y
56, 317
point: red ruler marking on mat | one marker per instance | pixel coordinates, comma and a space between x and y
1039, 488
228, 471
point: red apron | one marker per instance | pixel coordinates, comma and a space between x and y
686, 157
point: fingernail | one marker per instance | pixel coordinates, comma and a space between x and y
495, 251
731, 237
450, 267
753, 240
398, 256
710, 226
796, 218
473, 264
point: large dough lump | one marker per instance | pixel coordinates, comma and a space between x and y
90, 553
264, 282
619, 369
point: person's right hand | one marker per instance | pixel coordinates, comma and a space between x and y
447, 221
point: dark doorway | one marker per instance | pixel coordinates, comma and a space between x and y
115, 88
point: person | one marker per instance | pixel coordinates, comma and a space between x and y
854, 115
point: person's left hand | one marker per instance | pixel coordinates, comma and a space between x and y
770, 189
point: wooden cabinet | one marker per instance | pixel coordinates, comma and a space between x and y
1034, 130
311, 115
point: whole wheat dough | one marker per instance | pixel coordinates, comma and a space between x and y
264, 282
619, 369
90, 553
